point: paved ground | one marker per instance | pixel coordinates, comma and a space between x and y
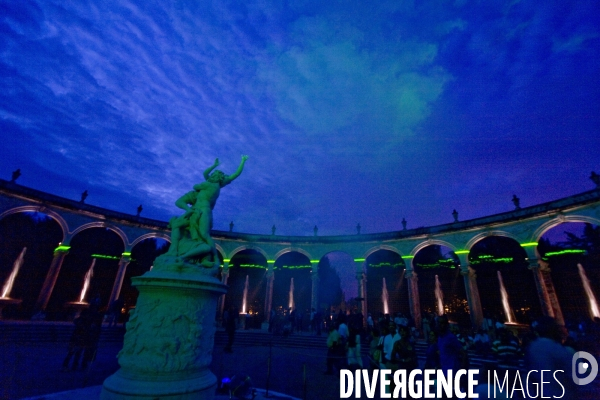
34, 369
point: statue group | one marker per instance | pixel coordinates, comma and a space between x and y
191, 244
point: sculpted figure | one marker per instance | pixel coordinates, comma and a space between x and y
190, 232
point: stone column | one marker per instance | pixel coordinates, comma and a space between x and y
475, 310
224, 277
545, 289
51, 277
116, 290
269, 296
314, 276
413, 296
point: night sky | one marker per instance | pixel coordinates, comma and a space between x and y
350, 112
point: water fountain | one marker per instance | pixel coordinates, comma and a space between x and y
245, 299
6, 300
291, 304
439, 296
385, 298
594, 311
510, 316
81, 305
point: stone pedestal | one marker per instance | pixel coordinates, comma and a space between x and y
170, 336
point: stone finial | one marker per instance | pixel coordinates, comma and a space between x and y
15, 175
403, 224
273, 229
516, 201
596, 179
315, 230
358, 229
84, 196
231, 226
139, 210
455, 215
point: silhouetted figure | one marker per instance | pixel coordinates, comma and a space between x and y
455, 215
84, 196
139, 210
15, 175
358, 229
273, 229
76, 343
595, 178
231, 226
403, 224
315, 230
517, 202
230, 326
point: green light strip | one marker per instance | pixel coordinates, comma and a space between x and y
461, 252
106, 257
294, 266
408, 257
568, 251
270, 261
126, 254
314, 261
359, 259
62, 248
529, 244
252, 266
226, 260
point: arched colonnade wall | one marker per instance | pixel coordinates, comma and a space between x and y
525, 225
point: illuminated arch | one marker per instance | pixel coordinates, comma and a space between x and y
290, 250
381, 247
249, 247
102, 224
537, 235
478, 238
431, 242
158, 235
52, 214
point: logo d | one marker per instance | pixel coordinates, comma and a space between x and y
584, 367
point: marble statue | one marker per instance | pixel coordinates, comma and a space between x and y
191, 244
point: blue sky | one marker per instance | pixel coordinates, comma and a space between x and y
350, 111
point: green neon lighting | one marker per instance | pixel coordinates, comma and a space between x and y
106, 257
408, 257
491, 259
359, 259
294, 266
314, 261
226, 260
567, 251
461, 252
270, 261
126, 254
252, 266
62, 248
529, 244
386, 264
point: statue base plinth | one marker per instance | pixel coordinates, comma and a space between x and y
170, 337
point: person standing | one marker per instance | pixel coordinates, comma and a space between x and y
230, 327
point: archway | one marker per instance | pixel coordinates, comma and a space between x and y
565, 247
40, 234
296, 266
389, 267
501, 261
143, 255
251, 265
438, 271
100, 246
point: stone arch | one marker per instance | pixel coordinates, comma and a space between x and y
52, 214
381, 247
429, 242
158, 235
561, 219
290, 250
479, 237
248, 247
101, 224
